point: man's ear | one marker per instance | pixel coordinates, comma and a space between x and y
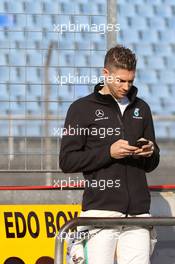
105, 72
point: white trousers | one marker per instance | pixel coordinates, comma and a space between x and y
125, 244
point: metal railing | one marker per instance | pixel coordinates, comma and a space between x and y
107, 223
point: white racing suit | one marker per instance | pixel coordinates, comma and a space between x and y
124, 244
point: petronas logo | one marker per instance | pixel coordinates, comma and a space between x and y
136, 112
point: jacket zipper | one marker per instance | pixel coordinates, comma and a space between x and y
120, 119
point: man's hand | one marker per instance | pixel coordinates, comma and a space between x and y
146, 150
121, 149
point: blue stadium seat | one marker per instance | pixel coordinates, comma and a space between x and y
32, 75
143, 90
123, 10
17, 58
171, 130
33, 7
14, 6
123, 22
167, 77
145, 10
4, 95
156, 23
81, 90
147, 76
33, 108
138, 23
160, 91
16, 108
34, 58
3, 60
66, 92
170, 62
33, 129
167, 36
4, 74
169, 106
34, 92
17, 91
17, 75
155, 63
143, 49
172, 90
163, 10
160, 129
162, 49
140, 63
51, 7
149, 36
129, 36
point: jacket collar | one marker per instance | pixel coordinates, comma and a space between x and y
107, 98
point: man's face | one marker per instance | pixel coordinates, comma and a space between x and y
118, 81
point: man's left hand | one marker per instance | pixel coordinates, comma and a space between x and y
146, 150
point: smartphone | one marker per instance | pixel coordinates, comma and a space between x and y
141, 143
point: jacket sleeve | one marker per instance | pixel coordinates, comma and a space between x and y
150, 163
74, 156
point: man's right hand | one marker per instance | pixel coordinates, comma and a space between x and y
121, 149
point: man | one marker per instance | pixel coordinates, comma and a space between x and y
111, 121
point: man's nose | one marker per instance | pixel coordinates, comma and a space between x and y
127, 86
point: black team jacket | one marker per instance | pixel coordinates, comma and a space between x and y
92, 124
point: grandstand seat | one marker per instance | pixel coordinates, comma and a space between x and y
169, 106
17, 58
167, 77
123, 22
14, 6
32, 75
50, 7
33, 7
129, 36
156, 23
33, 129
34, 58
4, 74
145, 10
140, 63
160, 129
143, 90
19, 21
16, 108
160, 91
147, 76
163, 10
143, 49
34, 92
138, 23
162, 49
66, 92
170, 63
167, 36
17, 92
155, 63
81, 90
4, 128
33, 108
149, 36
3, 93
123, 10
17, 75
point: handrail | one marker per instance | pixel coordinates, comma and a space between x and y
106, 222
